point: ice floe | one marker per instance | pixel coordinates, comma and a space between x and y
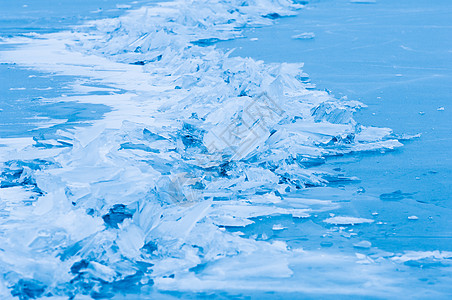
341, 220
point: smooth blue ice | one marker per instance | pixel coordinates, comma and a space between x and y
402, 73
200, 173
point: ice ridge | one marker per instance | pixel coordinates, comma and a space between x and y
217, 142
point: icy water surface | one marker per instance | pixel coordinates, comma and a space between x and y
44, 16
203, 174
395, 57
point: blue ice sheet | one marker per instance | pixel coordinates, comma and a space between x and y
395, 57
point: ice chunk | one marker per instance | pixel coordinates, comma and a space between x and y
420, 255
28, 289
278, 227
304, 36
117, 214
363, 244
341, 220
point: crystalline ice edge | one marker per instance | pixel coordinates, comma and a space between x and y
200, 142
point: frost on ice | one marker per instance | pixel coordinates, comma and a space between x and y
200, 142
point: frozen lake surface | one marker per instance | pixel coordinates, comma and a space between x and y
397, 59
22, 112
129, 167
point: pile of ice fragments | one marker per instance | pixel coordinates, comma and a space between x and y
221, 141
